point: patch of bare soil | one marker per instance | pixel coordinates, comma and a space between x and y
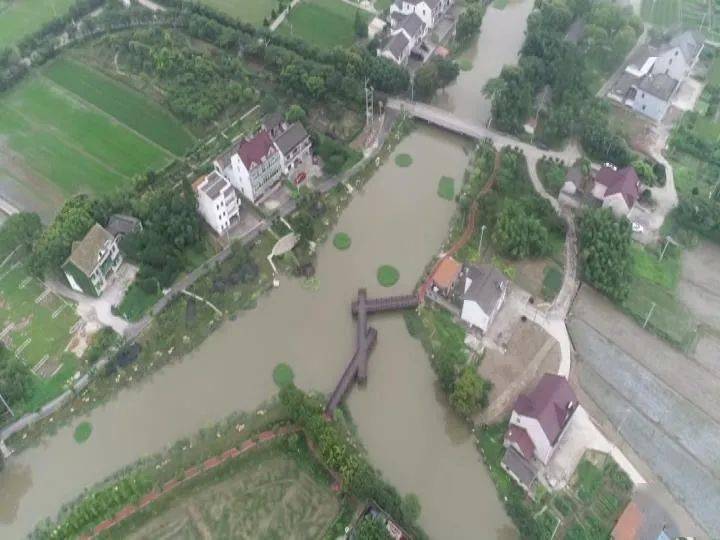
699, 287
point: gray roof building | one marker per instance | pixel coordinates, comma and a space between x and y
689, 42
291, 138
123, 224
86, 253
412, 24
397, 45
487, 287
518, 467
660, 85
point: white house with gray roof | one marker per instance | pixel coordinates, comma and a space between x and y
429, 11
407, 34
485, 289
218, 202
653, 75
294, 145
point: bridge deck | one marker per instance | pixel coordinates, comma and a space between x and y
389, 303
350, 372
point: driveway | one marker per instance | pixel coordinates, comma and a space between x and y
662, 403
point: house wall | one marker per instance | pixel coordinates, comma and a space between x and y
649, 105
498, 305
474, 314
616, 203
543, 448
218, 213
299, 152
673, 63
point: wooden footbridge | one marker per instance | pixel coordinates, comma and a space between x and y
366, 339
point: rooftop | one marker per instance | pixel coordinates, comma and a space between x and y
397, 45
486, 287
661, 85
644, 519
447, 272
293, 136
85, 254
520, 467
213, 185
272, 120
252, 151
689, 42
412, 24
624, 181
520, 437
551, 403
122, 224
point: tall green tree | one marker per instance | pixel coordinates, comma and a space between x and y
605, 252
16, 379
519, 234
360, 25
19, 230
470, 393
511, 97
371, 528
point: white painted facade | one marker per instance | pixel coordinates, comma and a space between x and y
672, 62
650, 105
218, 203
543, 448
616, 202
473, 314
430, 12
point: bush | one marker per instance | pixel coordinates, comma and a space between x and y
99, 345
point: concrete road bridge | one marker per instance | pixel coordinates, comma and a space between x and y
475, 130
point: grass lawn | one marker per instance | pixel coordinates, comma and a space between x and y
19, 18
251, 11
661, 12
69, 143
41, 324
325, 23
382, 5
714, 72
647, 266
707, 129
136, 302
121, 102
552, 282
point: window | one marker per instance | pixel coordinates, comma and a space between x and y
643, 107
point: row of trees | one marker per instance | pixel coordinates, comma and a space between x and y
562, 72
605, 252
338, 453
468, 23
433, 75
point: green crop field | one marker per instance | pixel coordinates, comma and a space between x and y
660, 12
70, 143
124, 104
19, 18
714, 73
334, 17
692, 14
252, 11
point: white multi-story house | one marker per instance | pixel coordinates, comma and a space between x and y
407, 34
92, 261
429, 11
653, 76
253, 166
218, 203
538, 420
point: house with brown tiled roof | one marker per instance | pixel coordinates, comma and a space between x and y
617, 189
537, 421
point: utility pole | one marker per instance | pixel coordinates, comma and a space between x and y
369, 104
412, 87
7, 406
482, 233
662, 253
652, 308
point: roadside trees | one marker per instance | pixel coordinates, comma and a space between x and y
605, 252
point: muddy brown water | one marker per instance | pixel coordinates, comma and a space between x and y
399, 219
501, 37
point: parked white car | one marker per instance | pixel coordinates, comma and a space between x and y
637, 228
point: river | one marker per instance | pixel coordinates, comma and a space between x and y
501, 37
402, 419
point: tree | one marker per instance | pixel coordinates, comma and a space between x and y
295, 113
468, 24
435, 74
16, 379
71, 224
519, 234
360, 25
645, 172
470, 393
411, 507
511, 97
371, 528
605, 252
21, 229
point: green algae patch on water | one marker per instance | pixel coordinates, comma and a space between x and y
82, 432
403, 160
387, 275
342, 241
446, 188
283, 375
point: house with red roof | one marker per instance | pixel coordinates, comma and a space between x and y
538, 420
617, 189
253, 165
